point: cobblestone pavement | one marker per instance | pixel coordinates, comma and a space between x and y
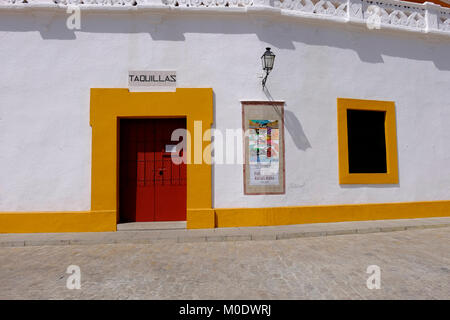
414, 264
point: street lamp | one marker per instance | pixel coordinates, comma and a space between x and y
267, 60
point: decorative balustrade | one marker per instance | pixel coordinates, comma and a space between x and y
324, 7
70, 2
209, 3
397, 14
394, 14
97, 2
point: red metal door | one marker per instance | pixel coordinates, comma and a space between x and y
151, 186
170, 182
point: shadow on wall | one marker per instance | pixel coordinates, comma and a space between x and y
370, 45
50, 25
293, 126
295, 129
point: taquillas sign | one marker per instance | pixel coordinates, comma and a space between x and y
148, 79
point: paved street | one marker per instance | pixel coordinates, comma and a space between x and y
415, 264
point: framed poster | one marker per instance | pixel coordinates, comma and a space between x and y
263, 126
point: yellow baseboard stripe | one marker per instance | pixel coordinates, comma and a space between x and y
95, 221
78, 221
250, 217
200, 218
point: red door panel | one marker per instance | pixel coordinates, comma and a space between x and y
151, 186
170, 186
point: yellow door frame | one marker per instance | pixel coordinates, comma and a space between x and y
109, 105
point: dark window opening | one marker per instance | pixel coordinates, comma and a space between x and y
366, 141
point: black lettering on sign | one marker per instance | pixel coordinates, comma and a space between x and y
153, 78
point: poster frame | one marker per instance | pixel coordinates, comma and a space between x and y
279, 104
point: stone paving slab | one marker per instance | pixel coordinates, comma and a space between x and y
221, 234
159, 225
413, 264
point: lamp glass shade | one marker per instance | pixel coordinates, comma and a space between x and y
267, 60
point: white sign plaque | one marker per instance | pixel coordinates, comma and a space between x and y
152, 80
171, 148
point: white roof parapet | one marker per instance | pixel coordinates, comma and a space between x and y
427, 18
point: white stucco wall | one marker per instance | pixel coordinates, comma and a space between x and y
47, 72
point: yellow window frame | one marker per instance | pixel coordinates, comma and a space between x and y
345, 177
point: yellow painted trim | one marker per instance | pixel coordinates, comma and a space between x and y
108, 105
251, 217
391, 177
84, 221
94, 221
200, 219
